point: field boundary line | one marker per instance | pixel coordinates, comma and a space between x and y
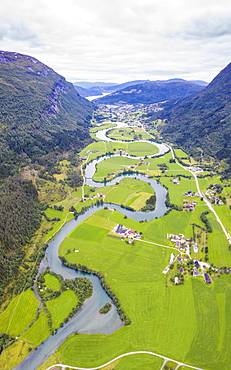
160, 245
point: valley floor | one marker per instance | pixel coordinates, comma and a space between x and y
179, 319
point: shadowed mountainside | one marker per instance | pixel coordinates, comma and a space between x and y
203, 120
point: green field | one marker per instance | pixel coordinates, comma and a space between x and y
13, 355
137, 149
19, 313
129, 192
190, 323
128, 133
137, 362
224, 213
161, 314
61, 307
38, 332
51, 282
53, 213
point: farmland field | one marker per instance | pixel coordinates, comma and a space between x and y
158, 310
51, 282
99, 148
60, 307
185, 320
38, 332
20, 312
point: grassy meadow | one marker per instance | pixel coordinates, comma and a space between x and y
129, 192
19, 313
99, 148
38, 332
190, 323
52, 282
162, 314
128, 133
61, 307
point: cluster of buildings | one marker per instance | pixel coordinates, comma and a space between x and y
139, 164
211, 194
97, 195
91, 151
175, 181
189, 206
191, 194
184, 245
126, 233
180, 242
195, 169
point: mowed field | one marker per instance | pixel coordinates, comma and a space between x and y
129, 192
134, 148
189, 323
150, 166
128, 133
38, 332
61, 307
19, 313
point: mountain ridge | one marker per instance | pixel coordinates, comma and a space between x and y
152, 92
39, 108
203, 120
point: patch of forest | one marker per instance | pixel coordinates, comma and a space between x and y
20, 216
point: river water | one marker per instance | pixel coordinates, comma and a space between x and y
88, 320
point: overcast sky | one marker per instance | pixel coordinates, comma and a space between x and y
121, 40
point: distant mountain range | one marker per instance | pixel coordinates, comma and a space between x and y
203, 120
40, 110
149, 92
87, 89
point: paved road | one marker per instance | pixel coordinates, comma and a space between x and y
125, 355
228, 237
165, 359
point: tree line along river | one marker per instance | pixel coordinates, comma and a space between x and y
88, 319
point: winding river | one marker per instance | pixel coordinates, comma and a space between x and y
88, 320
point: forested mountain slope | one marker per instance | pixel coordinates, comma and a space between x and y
41, 117
152, 92
40, 111
203, 120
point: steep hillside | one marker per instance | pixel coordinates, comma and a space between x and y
203, 120
41, 117
152, 92
40, 110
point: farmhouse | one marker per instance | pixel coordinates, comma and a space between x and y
207, 279
176, 280
129, 233
195, 272
176, 181
196, 263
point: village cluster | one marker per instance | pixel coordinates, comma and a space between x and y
211, 194
185, 246
188, 204
130, 234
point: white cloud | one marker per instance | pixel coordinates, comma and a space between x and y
122, 39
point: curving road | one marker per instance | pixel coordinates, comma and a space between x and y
125, 355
